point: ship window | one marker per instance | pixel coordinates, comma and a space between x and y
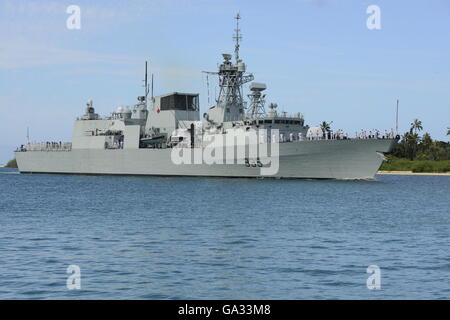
179, 102
277, 121
267, 121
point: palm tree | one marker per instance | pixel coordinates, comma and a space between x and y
448, 131
416, 126
411, 141
426, 143
325, 126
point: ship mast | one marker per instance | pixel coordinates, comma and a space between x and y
237, 37
146, 87
232, 76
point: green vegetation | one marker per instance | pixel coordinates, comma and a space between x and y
398, 164
11, 164
419, 153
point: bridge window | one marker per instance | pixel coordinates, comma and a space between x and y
179, 101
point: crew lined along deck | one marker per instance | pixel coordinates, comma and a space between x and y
46, 146
280, 138
315, 133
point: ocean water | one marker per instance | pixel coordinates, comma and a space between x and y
206, 238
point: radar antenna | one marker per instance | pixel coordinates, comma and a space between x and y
257, 101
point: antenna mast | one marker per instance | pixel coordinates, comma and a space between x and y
237, 37
152, 87
145, 82
396, 120
207, 85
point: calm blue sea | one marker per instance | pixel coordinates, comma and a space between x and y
196, 238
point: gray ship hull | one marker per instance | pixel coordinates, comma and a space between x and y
317, 159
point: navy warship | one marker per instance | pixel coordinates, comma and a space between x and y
166, 136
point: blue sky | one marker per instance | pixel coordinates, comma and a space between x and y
316, 56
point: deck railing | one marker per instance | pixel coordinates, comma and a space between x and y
46, 146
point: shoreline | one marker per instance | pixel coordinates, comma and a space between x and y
414, 173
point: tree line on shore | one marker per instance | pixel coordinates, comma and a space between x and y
11, 164
412, 146
419, 153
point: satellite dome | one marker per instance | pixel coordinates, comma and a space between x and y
314, 132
